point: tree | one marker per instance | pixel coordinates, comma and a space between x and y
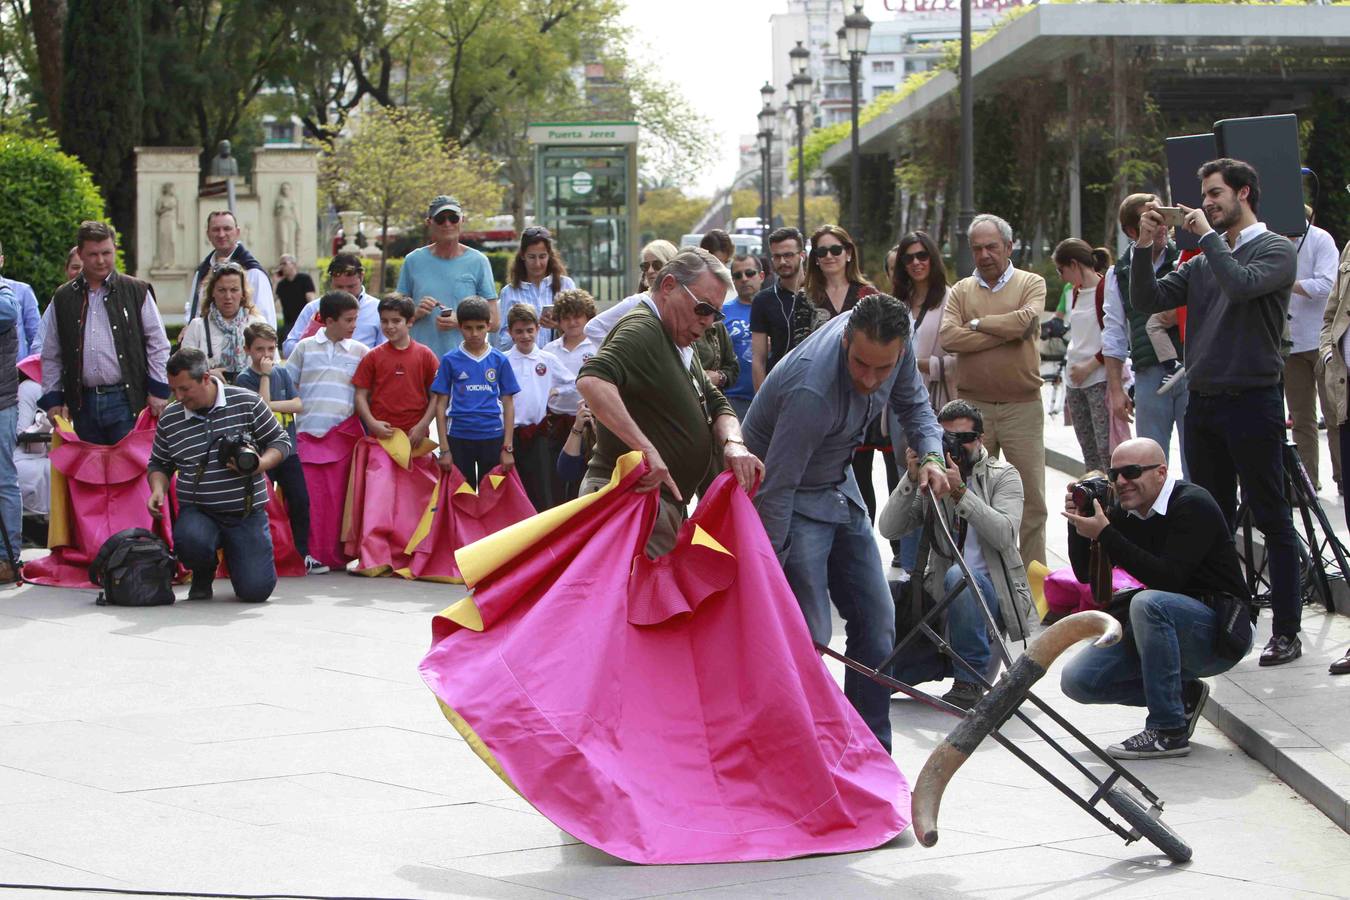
395, 161
667, 213
44, 195
101, 102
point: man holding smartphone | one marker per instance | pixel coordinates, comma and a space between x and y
1237, 296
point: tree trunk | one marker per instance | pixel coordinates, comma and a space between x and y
384, 253
49, 20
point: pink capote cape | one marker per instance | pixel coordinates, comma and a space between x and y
667, 711
97, 491
327, 462
1064, 594
469, 516
391, 484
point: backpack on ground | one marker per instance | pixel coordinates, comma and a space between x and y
135, 568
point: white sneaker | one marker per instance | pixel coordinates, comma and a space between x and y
314, 567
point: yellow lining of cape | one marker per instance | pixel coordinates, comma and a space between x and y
58, 511
701, 538
476, 744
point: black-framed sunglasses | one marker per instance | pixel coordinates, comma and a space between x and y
745, 274
703, 307
535, 232
916, 256
832, 250
1130, 473
446, 215
785, 257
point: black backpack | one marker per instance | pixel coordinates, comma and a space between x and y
135, 568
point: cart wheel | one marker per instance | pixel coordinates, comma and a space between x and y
1158, 832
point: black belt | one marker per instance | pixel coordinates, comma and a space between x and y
104, 388
1232, 393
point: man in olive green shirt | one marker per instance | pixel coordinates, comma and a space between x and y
648, 392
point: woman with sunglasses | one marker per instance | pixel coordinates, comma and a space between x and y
834, 282
227, 309
1079, 265
537, 275
653, 258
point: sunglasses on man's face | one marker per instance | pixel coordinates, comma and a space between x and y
446, 216
1129, 473
745, 274
702, 307
916, 256
832, 250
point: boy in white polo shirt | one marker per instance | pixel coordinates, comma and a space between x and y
572, 309
541, 377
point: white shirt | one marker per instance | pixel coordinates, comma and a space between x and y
1248, 233
367, 330
1085, 338
541, 375
1002, 279
598, 329
686, 353
567, 401
1159, 507
1317, 262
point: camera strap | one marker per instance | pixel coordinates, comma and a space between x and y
1099, 575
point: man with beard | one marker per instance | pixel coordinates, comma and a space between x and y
1237, 297
771, 309
806, 422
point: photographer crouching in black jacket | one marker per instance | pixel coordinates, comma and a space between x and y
1192, 621
220, 439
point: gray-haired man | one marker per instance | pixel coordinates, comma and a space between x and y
648, 392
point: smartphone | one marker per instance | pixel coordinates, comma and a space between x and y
446, 311
1172, 216
548, 311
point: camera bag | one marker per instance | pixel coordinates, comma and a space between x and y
135, 568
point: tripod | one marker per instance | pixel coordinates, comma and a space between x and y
1318, 552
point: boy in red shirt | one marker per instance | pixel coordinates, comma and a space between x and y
393, 381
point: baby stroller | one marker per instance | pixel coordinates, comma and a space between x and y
1054, 345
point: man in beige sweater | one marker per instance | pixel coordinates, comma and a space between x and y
991, 323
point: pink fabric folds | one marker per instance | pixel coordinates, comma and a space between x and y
667, 711
327, 462
385, 503
466, 516
106, 491
1065, 595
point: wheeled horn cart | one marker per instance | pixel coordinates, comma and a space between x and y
1004, 700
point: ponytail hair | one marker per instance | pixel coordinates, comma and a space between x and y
1102, 260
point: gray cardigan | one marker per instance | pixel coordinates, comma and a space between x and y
993, 507
1236, 305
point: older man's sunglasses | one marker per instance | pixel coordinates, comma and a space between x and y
446, 216
703, 307
1130, 473
744, 274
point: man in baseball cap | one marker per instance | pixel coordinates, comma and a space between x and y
443, 273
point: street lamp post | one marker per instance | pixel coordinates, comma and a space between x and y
853, 36
766, 123
799, 91
965, 262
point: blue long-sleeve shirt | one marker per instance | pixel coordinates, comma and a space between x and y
26, 316
808, 419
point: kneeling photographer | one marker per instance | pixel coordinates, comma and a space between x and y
984, 507
1192, 621
220, 439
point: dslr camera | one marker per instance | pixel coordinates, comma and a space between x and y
238, 450
1094, 487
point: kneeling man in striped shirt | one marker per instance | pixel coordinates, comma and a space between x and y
218, 504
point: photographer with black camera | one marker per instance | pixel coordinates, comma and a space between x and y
220, 439
1192, 621
984, 505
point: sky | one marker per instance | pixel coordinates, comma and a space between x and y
718, 53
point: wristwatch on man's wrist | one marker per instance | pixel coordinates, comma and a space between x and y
974, 324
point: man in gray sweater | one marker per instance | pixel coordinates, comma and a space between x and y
1237, 297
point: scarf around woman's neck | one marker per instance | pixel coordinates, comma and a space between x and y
231, 353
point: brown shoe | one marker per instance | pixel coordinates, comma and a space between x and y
9, 573
1342, 665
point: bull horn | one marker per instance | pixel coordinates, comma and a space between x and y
996, 706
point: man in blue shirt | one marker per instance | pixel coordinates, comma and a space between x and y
823, 395
746, 278
443, 273
347, 273
30, 320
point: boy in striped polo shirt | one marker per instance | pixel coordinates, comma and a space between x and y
322, 365
217, 505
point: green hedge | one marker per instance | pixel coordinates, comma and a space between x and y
44, 196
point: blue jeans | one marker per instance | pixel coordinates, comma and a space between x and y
1154, 416
197, 533
838, 562
11, 501
1172, 641
104, 418
966, 630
